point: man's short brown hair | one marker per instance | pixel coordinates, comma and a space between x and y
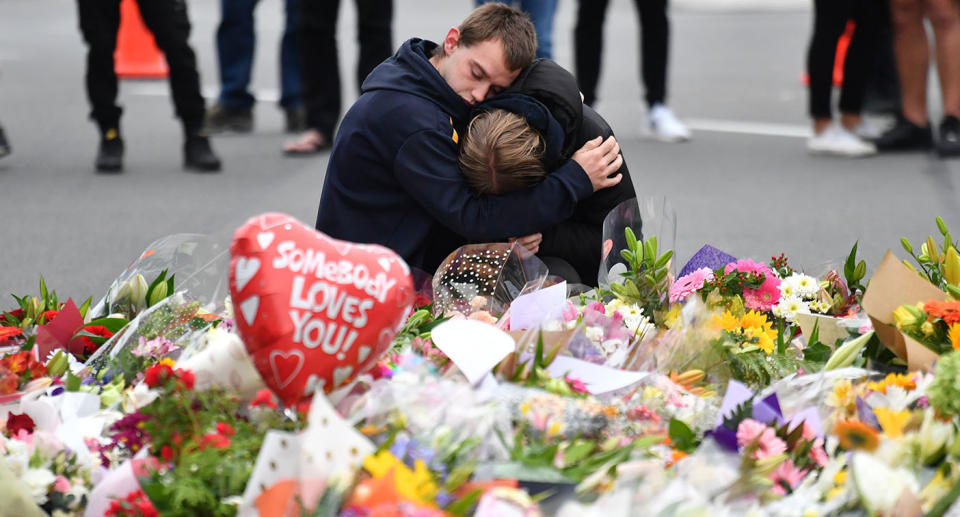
502, 22
501, 153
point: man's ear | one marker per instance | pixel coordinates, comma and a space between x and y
452, 41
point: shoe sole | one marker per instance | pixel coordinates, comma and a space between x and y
109, 168
201, 168
218, 130
840, 154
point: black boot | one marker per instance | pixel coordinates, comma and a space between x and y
198, 155
4, 144
221, 119
110, 154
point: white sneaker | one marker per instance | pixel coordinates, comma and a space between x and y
870, 128
837, 140
665, 126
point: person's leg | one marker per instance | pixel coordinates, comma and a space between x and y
375, 34
860, 56
829, 19
320, 66
236, 41
654, 48
290, 50
99, 22
944, 16
170, 25
912, 51
588, 46
541, 13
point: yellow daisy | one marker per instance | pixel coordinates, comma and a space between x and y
892, 422
727, 321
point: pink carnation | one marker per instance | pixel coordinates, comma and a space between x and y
748, 430
787, 474
689, 284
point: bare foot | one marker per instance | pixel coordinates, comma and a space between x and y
310, 142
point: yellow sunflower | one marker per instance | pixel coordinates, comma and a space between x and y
854, 434
727, 321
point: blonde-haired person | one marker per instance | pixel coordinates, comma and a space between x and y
517, 137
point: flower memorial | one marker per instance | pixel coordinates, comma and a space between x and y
737, 388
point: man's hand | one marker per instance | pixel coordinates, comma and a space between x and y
600, 159
531, 242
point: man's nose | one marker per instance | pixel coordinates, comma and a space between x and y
480, 93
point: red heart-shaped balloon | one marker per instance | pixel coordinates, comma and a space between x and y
313, 311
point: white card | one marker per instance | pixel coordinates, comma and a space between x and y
599, 379
475, 347
276, 462
330, 445
541, 306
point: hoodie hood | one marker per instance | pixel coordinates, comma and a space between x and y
537, 115
555, 88
410, 71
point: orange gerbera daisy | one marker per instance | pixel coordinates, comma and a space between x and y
9, 332
854, 435
948, 311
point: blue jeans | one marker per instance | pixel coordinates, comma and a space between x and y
236, 41
541, 14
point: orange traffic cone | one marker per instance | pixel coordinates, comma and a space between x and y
137, 55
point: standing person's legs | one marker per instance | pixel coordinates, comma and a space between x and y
320, 73
170, 25
912, 52
99, 22
654, 48
588, 46
375, 34
236, 41
541, 14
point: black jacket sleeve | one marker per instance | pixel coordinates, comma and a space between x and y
578, 239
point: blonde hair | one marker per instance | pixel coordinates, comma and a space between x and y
501, 153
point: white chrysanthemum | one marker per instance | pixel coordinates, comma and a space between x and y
39, 481
790, 306
806, 285
787, 289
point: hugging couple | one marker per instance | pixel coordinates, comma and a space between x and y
472, 140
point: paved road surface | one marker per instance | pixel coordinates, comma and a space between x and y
745, 184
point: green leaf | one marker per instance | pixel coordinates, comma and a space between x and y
631, 238
578, 451
73, 382
818, 353
462, 506
627, 255
662, 261
954, 291
112, 324
43, 291
681, 436
849, 266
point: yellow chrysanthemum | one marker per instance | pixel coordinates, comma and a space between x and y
842, 396
892, 422
762, 339
727, 321
954, 335
169, 362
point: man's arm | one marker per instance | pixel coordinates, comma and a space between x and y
426, 166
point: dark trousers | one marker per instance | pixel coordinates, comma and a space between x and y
654, 47
236, 41
168, 21
320, 64
830, 20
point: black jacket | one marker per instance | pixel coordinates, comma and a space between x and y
393, 178
578, 239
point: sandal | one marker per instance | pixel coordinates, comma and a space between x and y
311, 142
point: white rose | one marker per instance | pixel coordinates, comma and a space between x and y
39, 481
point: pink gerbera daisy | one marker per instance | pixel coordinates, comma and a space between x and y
689, 284
786, 475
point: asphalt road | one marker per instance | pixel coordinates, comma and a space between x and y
744, 184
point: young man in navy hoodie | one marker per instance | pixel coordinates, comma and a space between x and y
393, 177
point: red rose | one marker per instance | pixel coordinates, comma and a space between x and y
49, 315
225, 429
89, 346
421, 301
166, 452
264, 397
16, 423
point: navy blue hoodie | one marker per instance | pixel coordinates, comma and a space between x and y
393, 177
